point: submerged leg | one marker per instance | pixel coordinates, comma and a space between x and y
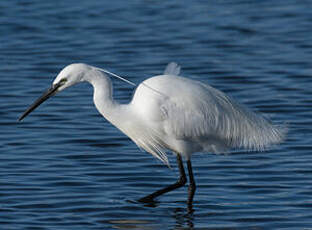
178, 184
192, 185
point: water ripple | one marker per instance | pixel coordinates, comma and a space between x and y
66, 167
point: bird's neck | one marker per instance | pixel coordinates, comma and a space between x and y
114, 112
103, 95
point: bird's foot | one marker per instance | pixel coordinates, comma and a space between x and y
146, 199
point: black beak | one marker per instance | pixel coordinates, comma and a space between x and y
46, 95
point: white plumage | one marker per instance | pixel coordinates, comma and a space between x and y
187, 116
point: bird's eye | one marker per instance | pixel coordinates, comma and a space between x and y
63, 81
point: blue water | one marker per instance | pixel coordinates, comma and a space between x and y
65, 167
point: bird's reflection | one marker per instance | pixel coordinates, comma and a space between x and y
183, 218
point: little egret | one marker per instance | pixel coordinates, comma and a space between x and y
172, 113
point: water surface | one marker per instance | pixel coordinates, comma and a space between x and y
65, 167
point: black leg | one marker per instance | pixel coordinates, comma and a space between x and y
182, 180
192, 186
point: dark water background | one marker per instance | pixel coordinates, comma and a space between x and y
65, 167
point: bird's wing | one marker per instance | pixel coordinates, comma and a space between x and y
148, 139
172, 69
204, 114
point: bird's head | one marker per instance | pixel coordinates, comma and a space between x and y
70, 75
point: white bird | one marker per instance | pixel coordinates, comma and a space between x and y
172, 113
